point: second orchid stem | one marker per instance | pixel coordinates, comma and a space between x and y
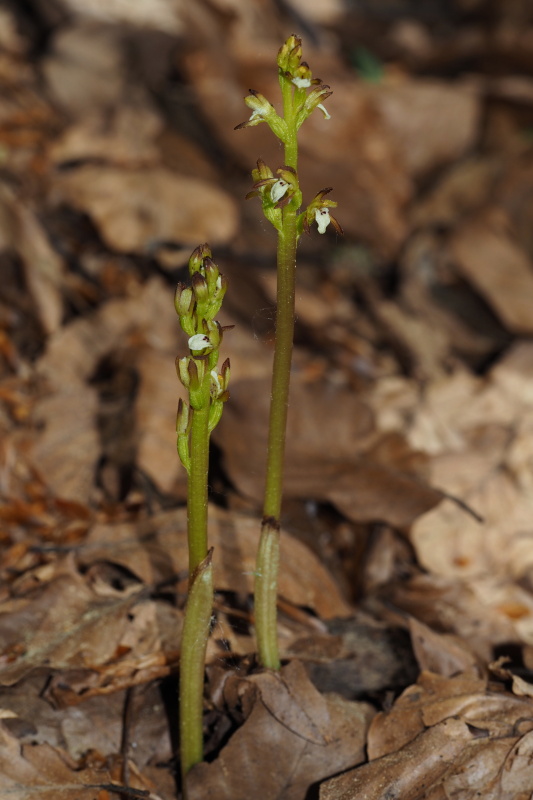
281, 199
267, 562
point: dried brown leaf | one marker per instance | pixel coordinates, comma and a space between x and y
333, 453
41, 770
432, 122
292, 738
136, 209
445, 737
499, 269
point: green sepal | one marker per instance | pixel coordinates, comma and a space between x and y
215, 412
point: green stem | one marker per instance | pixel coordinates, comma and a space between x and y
192, 660
197, 487
265, 596
267, 564
281, 369
200, 600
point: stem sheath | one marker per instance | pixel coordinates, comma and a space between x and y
192, 659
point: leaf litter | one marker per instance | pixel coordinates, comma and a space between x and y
406, 585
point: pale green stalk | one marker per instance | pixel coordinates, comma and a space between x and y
196, 307
267, 561
281, 198
197, 488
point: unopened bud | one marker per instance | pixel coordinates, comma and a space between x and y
197, 258
211, 273
290, 54
182, 370
183, 300
182, 418
200, 288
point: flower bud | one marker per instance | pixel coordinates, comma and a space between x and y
182, 370
183, 424
183, 300
262, 172
183, 418
197, 258
196, 370
211, 273
289, 54
200, 288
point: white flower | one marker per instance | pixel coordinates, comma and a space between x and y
322, 219
302, 83
324, 111
278, 190
199, 341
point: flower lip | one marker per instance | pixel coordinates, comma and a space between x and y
278, 190
327, 115
199, 342
302, 83
322, 219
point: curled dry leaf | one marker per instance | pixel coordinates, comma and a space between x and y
448, 114
45, 772
292, 738
135, 629
21, 233
459, 736
499, 269
68, 447
136, 209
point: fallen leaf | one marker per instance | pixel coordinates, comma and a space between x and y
136, 209
496, 265
459, 737
292, 738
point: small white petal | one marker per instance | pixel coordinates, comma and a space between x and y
302, 83
216, 381
324, 111
322, 219
199, 341
278, 190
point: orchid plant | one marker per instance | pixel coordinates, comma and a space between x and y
281, 200
207, 387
